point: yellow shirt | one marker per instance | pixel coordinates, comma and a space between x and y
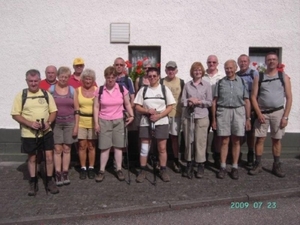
34, 109
174, 86
85, 107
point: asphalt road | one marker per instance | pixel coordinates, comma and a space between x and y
275, 211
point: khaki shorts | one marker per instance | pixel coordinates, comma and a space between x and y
175, 125
63, 133
273, 121
161, 132
111, 134
86, 133
231, 121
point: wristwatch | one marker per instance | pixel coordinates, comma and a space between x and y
249, 118
49, 122
286, 118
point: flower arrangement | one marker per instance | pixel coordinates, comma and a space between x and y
138, 70
261, 67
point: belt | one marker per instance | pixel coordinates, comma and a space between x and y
229, 107
64, 117
271, 110
86, 115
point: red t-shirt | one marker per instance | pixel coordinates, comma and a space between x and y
45, 85
76, 83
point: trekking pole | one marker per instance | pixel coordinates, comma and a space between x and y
153, 156
192, 136
44, 151
126, 147
36, 156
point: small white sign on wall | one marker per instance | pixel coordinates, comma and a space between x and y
120, 32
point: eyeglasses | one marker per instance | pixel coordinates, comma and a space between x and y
152, 76
209, 62
119, 64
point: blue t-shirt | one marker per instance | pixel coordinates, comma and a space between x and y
126, 82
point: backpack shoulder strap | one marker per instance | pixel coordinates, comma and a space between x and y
281, 78
45, 93
52, 88
71, 91
24, 97
121, 89
100, 93
144, 91
141, 81
252, 74
181, 86
126, 81
163, 89
260, 80
161, 81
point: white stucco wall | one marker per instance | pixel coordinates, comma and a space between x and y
36, 33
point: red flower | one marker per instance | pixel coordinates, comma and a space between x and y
157, 65
254, 63
139, 63
128, 64
138, 70
281, 67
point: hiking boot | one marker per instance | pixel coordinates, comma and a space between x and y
91, 173
59, 179
222, 173
164, 175
66, 178
100, 176
257, 168
234, 173
33, 188
188, 172
51, 187
82, 175
141, 176
176, 167
277, 171
250, 158
120, 175
200, 170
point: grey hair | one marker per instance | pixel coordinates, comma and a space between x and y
147, 62
33, 72
88, 73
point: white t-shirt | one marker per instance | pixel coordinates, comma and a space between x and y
154, 99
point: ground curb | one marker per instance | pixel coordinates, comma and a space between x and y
157, 207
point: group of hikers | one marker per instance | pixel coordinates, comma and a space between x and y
68, 109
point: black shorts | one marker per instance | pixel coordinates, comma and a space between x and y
31, 145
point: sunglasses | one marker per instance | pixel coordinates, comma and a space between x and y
119, 64
152, 76
209, 62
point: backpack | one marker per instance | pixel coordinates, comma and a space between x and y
246, 74
25, 93
261, 79
163, 89
181, 84
102, 87
71, 90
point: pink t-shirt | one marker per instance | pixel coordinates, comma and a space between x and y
111, 103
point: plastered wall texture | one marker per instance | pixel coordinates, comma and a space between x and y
37, 33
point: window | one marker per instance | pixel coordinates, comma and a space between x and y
257, 54
137, 53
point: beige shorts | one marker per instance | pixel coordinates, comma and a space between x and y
63, 133
175, 125
86, 133
231, 121
273, 121
111, 134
